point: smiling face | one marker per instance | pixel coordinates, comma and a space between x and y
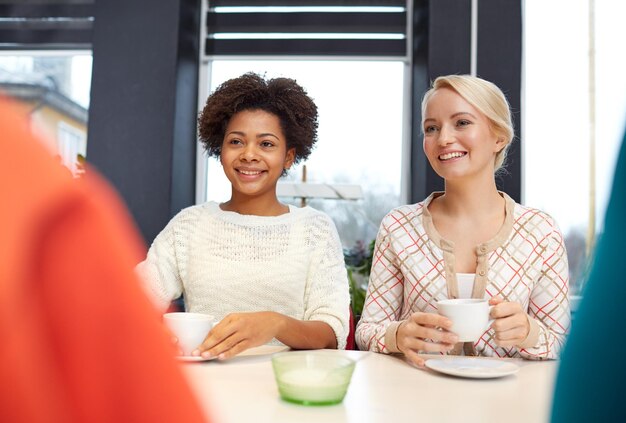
458, 139
254, 154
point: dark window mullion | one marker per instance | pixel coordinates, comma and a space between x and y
304, 47
46, 24
54, 38
47, 10
304, 3
36, 25
298, 22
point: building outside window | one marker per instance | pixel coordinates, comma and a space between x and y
54, 86
72, 144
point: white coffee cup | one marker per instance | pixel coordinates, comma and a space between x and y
189, 328
469, 316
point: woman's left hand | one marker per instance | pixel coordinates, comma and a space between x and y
511, 322
239, 331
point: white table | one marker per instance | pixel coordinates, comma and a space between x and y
383, 389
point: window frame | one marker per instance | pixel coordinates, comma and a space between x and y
204, 76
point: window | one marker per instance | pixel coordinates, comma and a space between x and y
360, 137
45, 62
353, 60
574, 110
72, 144
55, 87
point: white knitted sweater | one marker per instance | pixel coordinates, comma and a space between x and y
224, 262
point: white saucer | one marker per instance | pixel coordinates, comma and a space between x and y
193, 358
473, 367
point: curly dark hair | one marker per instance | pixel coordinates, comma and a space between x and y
282, 97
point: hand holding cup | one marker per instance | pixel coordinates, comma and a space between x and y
424, 332
511, 322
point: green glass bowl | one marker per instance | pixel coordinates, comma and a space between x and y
312, 378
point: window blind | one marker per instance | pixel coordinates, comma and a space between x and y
306, 27
46, 24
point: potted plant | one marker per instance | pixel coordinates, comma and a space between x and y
358, 263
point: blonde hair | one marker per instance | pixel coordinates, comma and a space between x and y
487, 98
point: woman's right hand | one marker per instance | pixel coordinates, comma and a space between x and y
424, 332
237, 332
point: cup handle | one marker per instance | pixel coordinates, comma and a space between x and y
490, 321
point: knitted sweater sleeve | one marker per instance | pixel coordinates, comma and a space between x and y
383, 302
549, 302
160, 272
327, 296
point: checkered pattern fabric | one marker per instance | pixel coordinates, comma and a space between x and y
413, 268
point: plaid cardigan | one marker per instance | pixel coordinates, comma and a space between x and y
413, 268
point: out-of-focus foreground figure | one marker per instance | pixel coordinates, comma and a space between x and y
80, 342
592, 372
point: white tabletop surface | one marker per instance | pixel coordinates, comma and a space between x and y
383, 389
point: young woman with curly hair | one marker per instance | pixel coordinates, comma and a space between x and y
269, 272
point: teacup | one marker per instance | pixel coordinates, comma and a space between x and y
469, 316
189, 328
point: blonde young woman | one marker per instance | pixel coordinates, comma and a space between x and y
470, 241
